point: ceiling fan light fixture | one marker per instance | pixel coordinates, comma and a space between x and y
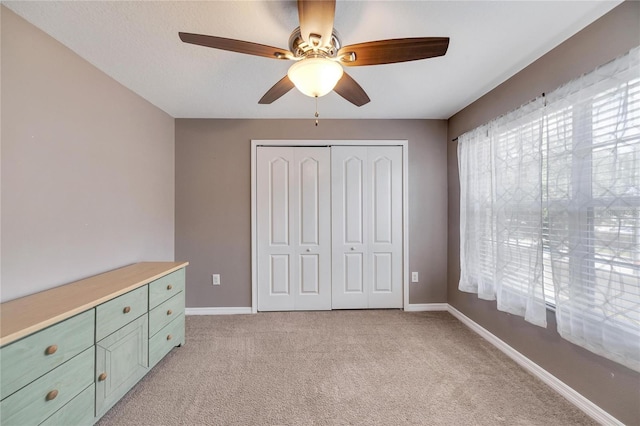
315, 77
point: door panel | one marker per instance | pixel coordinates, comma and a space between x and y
309, 201
349, 195
367, 227
279, 277
352, 211
385, 247
309, 274
293, 208
382, 200
279, 201
312, 196
353, 276
274, 228
382, 272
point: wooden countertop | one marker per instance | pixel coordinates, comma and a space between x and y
26, 315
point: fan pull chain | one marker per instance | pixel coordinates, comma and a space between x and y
317, 111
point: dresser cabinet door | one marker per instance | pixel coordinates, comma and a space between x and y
121, 360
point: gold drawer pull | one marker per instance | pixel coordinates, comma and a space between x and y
169, 337
169, 287
127, 309
169, 312
102, 377
51, 350
51, 395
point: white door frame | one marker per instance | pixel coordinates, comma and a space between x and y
405, 209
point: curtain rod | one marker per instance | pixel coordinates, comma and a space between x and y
545, 104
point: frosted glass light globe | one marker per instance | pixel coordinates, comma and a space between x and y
315, 76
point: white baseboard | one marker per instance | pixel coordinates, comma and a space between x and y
421, 307
591, 409
217, 311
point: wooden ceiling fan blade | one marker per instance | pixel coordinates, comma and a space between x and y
277, 91
392, 51
349, 89
316, 21
233, 45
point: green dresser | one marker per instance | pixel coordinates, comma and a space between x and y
68, 354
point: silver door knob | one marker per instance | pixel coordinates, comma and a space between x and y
353, 248
308, 250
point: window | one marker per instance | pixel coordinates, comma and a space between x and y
594, 219
550, 210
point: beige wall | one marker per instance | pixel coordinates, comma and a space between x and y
213, 205
87, 167
614, 388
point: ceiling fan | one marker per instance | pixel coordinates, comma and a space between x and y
317, 49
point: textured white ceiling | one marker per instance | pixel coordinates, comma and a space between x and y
137, 44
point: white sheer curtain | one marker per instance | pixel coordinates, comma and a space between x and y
500, 213
593, 134
477, 248
517, 147
557, 183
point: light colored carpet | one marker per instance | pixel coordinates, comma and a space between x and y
378, 367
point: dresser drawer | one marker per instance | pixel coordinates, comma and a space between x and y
79, 411
27, 359
169, 336
43, 397
166, 312
165, 287
120, 311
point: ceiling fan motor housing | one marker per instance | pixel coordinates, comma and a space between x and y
302, 49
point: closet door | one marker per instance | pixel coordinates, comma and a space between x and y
367, 227
350, 197
293, 229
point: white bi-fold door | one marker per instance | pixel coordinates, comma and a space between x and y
366, 194
293, 228
329, 227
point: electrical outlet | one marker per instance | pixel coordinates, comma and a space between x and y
215, 279
414, 277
